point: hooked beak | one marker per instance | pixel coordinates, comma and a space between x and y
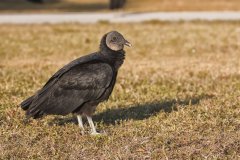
127, 43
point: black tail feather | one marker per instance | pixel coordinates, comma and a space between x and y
31, 108
34, 114
26, 103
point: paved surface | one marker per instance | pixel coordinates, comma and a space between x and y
118, 17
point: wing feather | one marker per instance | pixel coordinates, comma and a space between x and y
80, 84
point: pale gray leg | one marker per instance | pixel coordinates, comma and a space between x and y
90, 121
80, 123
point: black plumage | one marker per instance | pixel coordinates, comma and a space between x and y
82, 84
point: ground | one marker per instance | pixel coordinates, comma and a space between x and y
177, 95
182, 5
131, 5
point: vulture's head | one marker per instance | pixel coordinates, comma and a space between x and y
115, 41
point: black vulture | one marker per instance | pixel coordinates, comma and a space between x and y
82, 84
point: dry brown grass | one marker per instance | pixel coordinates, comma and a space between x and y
177, 95
183, 5
131, 5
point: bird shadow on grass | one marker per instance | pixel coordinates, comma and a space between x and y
144, 111
137, 112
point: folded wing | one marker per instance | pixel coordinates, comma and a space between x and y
66, 93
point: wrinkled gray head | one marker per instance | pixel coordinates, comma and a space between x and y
115, 41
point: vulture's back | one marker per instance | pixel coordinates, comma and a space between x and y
84, 80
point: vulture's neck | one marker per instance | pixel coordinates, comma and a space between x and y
116, 58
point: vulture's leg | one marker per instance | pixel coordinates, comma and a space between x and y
90, 121
80, 123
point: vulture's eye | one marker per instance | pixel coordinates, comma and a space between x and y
114, 38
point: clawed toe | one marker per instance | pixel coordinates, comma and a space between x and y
95, 133
82, 132
98, 134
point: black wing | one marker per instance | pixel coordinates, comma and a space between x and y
94, 57
80, 84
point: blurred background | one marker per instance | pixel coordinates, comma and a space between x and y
177, 95
122, 5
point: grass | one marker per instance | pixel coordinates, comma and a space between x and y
183, 5
177, 95
131, 5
